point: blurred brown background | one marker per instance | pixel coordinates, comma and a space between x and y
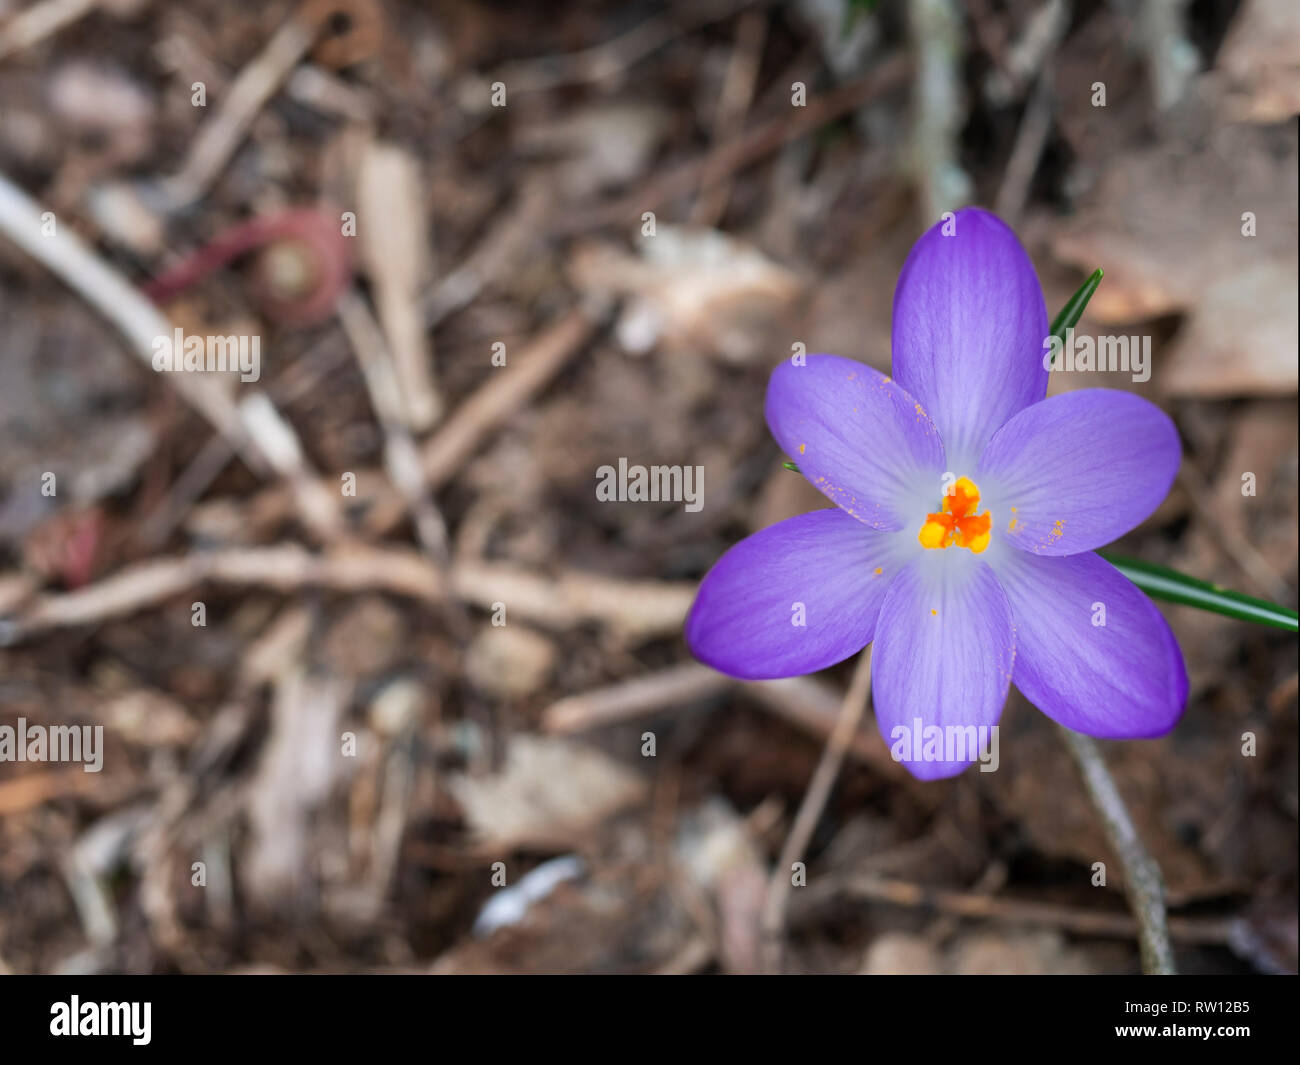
349, 744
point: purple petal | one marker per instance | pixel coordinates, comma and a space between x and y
857, 436
1123, 679
797, 597
944, 652
969, 325
1078, 470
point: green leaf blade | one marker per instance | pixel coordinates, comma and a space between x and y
1070, 314
1160, 582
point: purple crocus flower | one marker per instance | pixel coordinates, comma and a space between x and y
968, 508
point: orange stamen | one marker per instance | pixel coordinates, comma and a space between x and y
958, 524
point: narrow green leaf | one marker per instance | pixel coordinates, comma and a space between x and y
1160, 582
790, 466
1073, 309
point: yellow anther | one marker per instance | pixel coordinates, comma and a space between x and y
957, 524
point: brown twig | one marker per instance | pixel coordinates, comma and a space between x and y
810, 811
254, 428
1143, 883
809, 704
1024, 911
102, 287
745, 150
637, 610
612, 57
629, 699
217, 139
1034, 128
1036, 123
505, 244
504, 393
815, 706
737, 94
285, 567
216, 454
401, 454
39, 21
319, 508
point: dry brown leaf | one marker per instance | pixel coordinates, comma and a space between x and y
393, 233
1260, 61
1177, 245
691, 290
550, 792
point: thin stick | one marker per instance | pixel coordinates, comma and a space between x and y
1030, 141
612, 57
254, 428
284, 567
194, 480
810, 810
63, 253
503, 394
401, 454
1036, 123
37, 22
1025, 911
809, 704
221, 135
505, 244
618, 703
318, 508
379, 369
744, 151
737, 94
1143, 883
216, 454
636, 610
814, 705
